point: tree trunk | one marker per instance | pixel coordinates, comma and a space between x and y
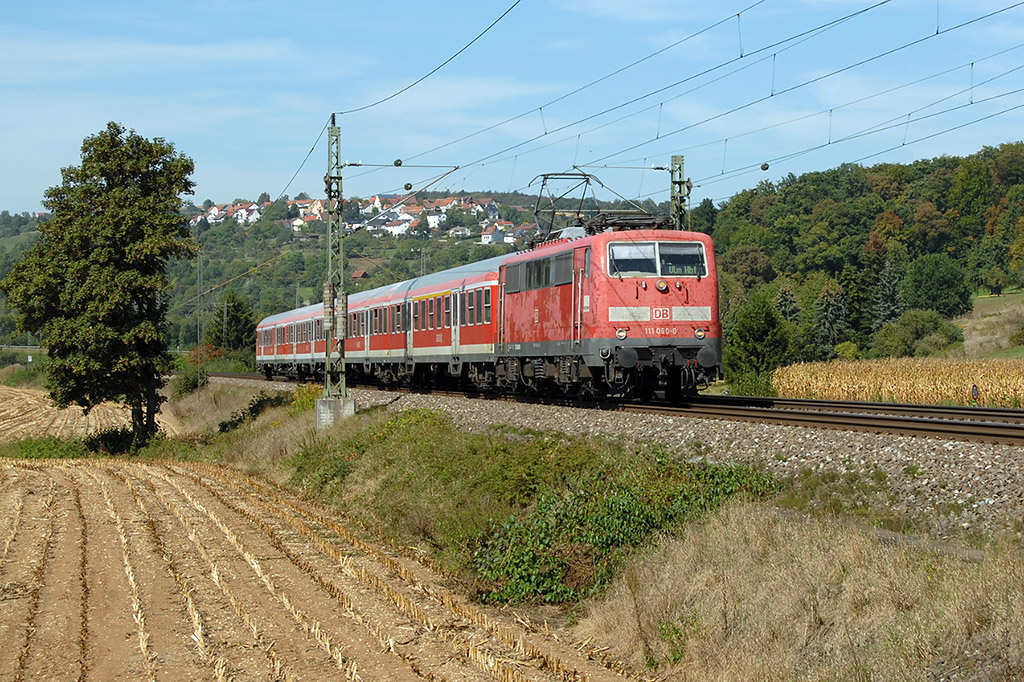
139, 436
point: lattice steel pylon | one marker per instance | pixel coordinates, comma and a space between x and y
335, 314
680, 191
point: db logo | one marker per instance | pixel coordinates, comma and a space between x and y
661, 313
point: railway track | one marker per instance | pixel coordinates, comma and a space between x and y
973, 424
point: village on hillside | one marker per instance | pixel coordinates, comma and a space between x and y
394, 215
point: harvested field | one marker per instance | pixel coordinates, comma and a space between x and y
119, 570
28, 413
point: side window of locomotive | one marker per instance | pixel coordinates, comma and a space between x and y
632, 260
536, 274
682, 260
512, 279
586, 262
487, 305
562, 269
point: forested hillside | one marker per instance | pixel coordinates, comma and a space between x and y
866, 260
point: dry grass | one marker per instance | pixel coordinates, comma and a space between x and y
907, 380
202, 411
750, 596
987, 328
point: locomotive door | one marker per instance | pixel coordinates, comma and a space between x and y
580, 292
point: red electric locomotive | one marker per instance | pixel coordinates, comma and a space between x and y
628, 311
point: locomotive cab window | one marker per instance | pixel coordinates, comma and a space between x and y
656, 259
682, 260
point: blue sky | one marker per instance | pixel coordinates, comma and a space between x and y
245, 88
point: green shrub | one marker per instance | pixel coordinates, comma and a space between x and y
847, 350
752, 383
573, 539
305, 398
188, 379
47, 447
915, 332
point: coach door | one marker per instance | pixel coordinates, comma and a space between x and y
458, 296
580, 292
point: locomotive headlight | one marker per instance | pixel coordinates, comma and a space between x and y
699, 333
620, 334
662, 285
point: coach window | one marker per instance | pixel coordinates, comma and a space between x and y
430, 314
479, 306
471, 295
487, 305
291, 333
416, 316
462, 309
447, 311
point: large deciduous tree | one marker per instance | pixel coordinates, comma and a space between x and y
95, 284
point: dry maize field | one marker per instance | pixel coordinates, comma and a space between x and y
925, 381
120, 570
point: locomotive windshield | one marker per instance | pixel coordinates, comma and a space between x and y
656, 259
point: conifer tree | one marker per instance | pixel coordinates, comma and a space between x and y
786, 303
888, 300
830, 321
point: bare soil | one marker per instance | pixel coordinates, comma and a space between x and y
26, 412
120, 570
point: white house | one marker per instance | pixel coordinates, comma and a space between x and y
491, 235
